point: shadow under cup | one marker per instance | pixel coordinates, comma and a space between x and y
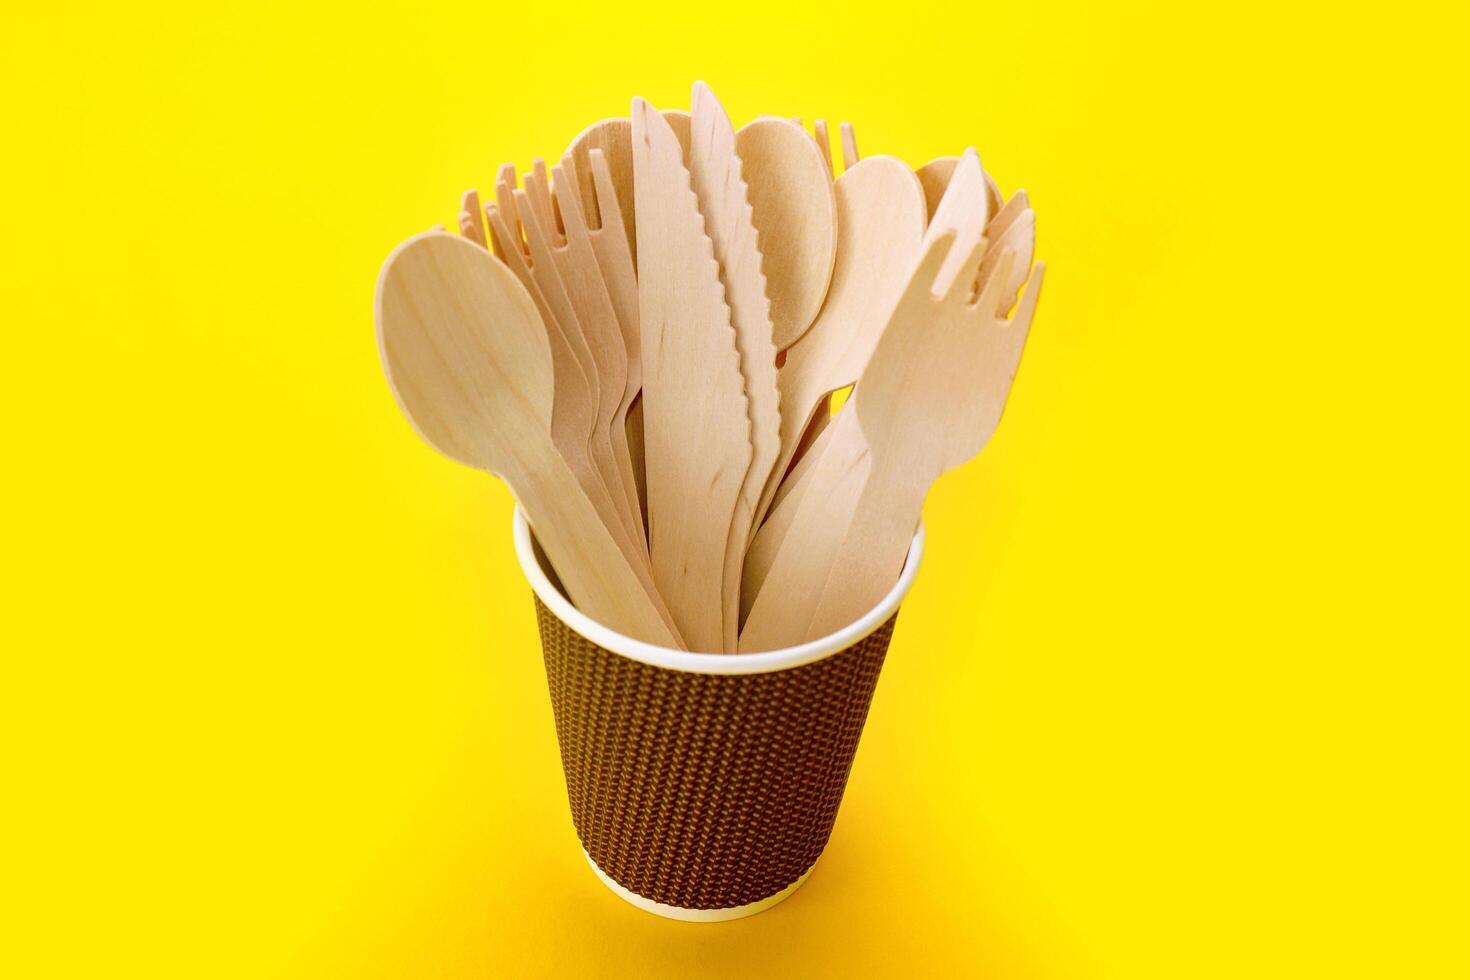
704, 786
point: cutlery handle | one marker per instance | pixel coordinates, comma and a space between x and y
597, 575
788, 597
870, 557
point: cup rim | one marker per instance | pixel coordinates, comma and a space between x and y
710, 663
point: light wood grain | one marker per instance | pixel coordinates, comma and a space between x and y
963, 212
614, 138
596, 347
824, 144
880, 224
591, 300
610, 245
849, 147
696, 420
1012, 230
575, 420
716, 176
471, 222
961, 220
794, 208
930, 400
803, 546
841, 436
470, 364
935, 176
578, 301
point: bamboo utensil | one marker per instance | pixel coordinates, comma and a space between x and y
469, 362
794, 209
715, 172
697, 429
880, 224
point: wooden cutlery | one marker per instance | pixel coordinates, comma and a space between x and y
943, 368
929, 400
794, 208
466, 354
720, 189
644, 338
880, 224
697, 429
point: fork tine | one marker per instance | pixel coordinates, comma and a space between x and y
1010, 335
606, 193
824, 143
470, 224
468, 227
505, 187
1020, 238
530, 220
849, 147
992, 191
931, 263
990, 291
958, 289
1007, 215
515, 259
1026, 309
569, 203
506, 248
538, 192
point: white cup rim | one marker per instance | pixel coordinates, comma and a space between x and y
710, 663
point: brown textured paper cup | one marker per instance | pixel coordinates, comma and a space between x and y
704, 786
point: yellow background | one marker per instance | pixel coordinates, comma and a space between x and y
1179, 692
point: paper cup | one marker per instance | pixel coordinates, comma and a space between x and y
704, 786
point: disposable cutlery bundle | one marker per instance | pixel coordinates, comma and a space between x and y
644, 340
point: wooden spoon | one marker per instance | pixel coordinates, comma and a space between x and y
696, 419
794, 209
880, 224
469, 362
